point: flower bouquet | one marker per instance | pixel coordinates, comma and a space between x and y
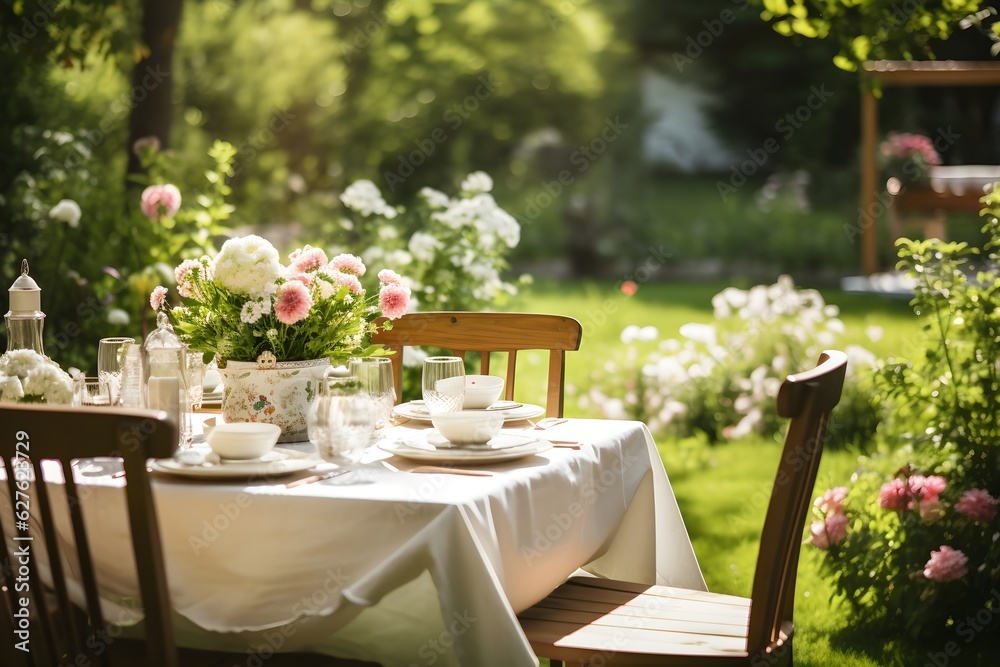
288, 321
29, 377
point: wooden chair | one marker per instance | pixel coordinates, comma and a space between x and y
59, 632
607, 622
463, 332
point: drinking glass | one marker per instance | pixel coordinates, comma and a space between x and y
374, 375
443, 384
341, 421
91, 391
110, 359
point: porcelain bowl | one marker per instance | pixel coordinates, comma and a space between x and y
481, 391
243, 440
468, 427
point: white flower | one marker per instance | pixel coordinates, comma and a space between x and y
50, 382
477, 181
67, 211
700, 333
117, 316
435, 198
10, 388
424, 246
27, 375
254, 310
874, 333
365, 198
247, 265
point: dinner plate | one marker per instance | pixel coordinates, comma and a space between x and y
418, 411
276, 462
465, 455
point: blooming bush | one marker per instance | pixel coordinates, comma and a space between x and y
922, 545
454, 248
907, 157
29, 377
244, 302
721, 379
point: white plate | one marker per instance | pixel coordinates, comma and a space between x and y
466, 455
434, 440
418, 411
276, 462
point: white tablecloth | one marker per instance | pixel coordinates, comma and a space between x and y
405, 569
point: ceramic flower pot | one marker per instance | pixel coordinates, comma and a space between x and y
272, 392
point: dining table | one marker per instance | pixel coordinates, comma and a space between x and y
395, 561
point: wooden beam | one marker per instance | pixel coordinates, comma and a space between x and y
868, 214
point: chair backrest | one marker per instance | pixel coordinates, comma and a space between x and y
463, 332
29, 435
806, 399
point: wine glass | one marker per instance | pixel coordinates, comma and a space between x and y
341, 421
374, 375
110, 359
443, 384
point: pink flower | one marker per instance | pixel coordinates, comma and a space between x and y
629, 288
926, 488
977, 505
304, 278
351, 281
307, 259
293, 302
832, 530
149, 143
895, 495
182, 274
393, 300
348, 264
832, 502
389, 277
158, 201
931, 510
946, 565
157, 297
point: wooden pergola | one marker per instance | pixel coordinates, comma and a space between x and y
903, 73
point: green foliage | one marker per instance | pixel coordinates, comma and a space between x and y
870, 29
940, 418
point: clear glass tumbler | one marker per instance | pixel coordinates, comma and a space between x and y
110, 360
443, 384
374, 375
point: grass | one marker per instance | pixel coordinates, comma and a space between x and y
722, 491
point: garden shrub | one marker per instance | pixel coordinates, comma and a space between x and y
913, 543
720, 380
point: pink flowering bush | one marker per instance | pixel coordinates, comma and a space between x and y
244, 302
907, 157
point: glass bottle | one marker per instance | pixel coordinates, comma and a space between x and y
164, 376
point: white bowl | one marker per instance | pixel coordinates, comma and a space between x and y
207, 426
468, 427
243, 440
481, 391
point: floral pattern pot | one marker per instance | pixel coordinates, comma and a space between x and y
272, 392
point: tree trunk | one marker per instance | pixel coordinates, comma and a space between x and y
152, 78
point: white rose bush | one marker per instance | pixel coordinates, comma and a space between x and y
29, 377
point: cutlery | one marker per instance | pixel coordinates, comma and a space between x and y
441, 470
548, 422
317, 478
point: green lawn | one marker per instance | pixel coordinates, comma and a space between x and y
720, 490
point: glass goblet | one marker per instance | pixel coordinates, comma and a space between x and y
110, 360
374, 376
443, 384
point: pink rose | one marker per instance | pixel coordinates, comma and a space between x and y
895, 495
393, 300
946, 565
977, 505
629, 288
293, 302
926, 488
158, 201
157, 297
931, 510
832, 530
348, 264
307, 259
832, 502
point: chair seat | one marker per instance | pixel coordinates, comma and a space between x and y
604, 621
133, 652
